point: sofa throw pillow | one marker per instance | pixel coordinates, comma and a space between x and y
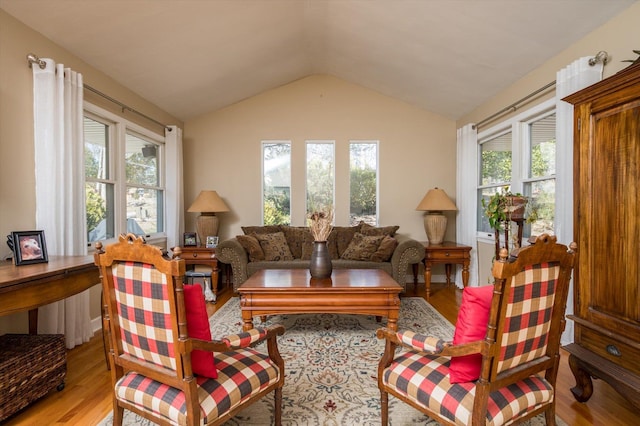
296, 237
307, 248
471, 326
252, 246
367, 229
274, 246
362, 247
385, 249
340, 238
265, 229
202, 362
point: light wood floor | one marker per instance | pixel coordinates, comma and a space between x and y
86, 398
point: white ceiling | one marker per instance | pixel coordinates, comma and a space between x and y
191, 57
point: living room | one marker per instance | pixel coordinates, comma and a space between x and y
222, 147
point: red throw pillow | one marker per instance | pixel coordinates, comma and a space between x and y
471, 326
202, 362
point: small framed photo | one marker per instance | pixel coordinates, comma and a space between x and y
190, 239
29, 247
212, 242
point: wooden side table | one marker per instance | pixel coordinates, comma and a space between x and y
201, 255
448, 253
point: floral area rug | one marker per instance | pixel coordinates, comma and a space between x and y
331, 367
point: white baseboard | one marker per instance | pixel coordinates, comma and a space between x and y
96, 324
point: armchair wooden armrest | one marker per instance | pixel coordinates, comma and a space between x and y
252, 337
428, 345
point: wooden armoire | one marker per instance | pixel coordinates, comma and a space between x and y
607, 230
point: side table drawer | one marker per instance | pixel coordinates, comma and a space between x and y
445, 255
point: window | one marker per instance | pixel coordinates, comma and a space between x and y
276, 182
319, 167
363, 182
320, 175
495, 171
540, 182
99, 185
124, 176
520, 155
144, 199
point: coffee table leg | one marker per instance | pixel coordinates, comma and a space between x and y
392, 324
247, 321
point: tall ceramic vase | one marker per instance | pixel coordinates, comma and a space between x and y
320, 266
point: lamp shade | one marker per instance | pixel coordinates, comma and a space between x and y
435, 223
208, 203
436, 200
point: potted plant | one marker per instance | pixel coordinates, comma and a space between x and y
503, 207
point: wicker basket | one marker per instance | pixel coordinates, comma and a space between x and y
30, 366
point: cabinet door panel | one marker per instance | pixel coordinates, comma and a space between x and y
615, 203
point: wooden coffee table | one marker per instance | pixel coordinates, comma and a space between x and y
290, 291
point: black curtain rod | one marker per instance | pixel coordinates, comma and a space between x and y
34, 59
601, 56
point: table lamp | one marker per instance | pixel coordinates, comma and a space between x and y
435, 222
207, 204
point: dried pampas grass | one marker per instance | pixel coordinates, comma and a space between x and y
320, 224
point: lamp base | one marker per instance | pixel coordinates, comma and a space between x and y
206, 226
435, 225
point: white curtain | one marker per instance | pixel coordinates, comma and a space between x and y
58, 140
175, 198
577, 75
466, 198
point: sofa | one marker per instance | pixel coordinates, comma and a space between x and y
289, 247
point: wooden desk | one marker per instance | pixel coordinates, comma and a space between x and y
24, 288
290, 291
201, 255
448, 253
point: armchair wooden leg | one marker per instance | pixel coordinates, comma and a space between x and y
384, 408
105, 333
277, 412
550, 417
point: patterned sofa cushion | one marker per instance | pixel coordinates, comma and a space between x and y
266, 229
385, 249
362, 247
297, 238
367, 229
252, 246
340, 238
275, 246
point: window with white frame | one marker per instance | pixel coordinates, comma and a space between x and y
519, 155
363, 182
276, 182
124, 177
320, 171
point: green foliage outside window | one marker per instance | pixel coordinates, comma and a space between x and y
276, 207
96, 208
496, 167
363, 191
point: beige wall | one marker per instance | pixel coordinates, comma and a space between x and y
17, 178
618, 37
222, 150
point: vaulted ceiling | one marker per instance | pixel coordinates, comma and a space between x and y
191, 57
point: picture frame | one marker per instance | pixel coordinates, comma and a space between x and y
189, 239
29, 247
212, 242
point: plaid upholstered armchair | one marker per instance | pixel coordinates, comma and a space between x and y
164, 365
502, 365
